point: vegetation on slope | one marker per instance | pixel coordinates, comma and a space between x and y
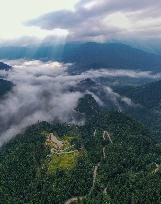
24, 170
122, 169
148, 95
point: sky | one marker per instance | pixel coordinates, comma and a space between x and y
28, 21
14, 14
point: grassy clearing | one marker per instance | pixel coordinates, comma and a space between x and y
63, 161
66, 158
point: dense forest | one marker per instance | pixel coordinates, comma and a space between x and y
148, 95
117, 161
148, 102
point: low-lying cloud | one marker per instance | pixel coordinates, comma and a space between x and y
42, 92
122, 73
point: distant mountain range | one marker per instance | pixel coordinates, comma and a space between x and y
95, 55
89, 55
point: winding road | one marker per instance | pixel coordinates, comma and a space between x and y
76, 199
104, 153
107, 135
94, 177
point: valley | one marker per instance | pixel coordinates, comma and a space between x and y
84, 143
80, 102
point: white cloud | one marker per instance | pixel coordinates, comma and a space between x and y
13, 14
78, 20
129, 18
121, 73
42, 92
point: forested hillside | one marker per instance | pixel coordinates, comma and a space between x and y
110, 159
148, 99
148, 95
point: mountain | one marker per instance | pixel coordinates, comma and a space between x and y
95, 55
104, 95
88, 55
4, 66
5, 87
148, 95
110, 159
140, 102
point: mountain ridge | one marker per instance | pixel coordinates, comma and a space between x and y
131, 155
4, 66
89, 55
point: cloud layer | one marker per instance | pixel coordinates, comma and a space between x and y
106, 19
42, 92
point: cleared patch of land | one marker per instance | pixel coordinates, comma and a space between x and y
64, 161
63, 154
